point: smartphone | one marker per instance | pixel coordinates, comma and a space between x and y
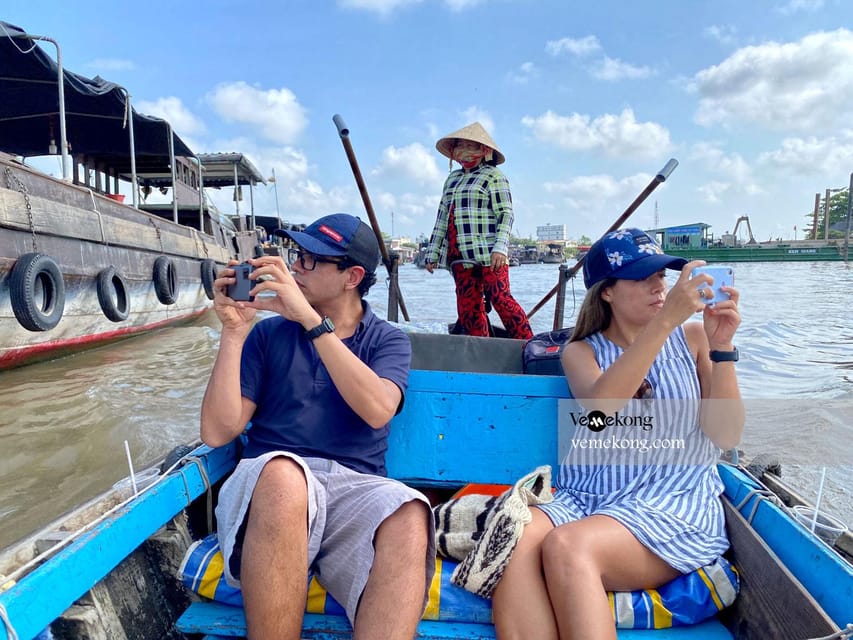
723, 276
240, 289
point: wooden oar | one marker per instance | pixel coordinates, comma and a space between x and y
661, 176
343, 131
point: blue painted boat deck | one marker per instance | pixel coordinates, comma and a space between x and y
219, 620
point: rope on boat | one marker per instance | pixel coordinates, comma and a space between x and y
208, 493
843, 634
763, 494
10, 630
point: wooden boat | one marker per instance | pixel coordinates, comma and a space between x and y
554, 255
117, 576
696, 242
78, 266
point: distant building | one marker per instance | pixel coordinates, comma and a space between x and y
551, 232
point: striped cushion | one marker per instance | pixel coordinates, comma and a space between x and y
686, 600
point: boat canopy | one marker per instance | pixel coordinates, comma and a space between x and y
95, 111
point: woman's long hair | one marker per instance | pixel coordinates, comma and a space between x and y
595, 314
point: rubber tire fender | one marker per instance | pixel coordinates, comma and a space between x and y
165, 280
112, 294
30, 273
208, 275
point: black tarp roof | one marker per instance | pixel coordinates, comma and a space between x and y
94, 108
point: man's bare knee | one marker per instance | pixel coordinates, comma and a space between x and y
410, 522
281, 483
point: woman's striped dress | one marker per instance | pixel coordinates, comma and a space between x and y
650, 467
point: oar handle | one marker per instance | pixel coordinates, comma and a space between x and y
343, 131
661, 176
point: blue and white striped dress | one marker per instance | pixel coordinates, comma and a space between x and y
669, 498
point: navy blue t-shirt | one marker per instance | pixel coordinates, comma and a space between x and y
299, 409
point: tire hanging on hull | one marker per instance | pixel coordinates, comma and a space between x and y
37, 292
113, 295
165, 280
208, 275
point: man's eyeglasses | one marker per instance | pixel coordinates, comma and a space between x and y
309, 260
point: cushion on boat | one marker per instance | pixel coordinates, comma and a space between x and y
686, 600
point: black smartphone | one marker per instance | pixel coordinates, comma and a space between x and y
240, 289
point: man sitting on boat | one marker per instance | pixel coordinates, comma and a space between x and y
319, 381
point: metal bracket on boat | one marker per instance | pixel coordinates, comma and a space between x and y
98, 213
209, 494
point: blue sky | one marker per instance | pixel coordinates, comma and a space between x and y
586, 100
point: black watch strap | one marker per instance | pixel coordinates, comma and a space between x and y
724, 356
326, 326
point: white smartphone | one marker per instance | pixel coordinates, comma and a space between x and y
722, 275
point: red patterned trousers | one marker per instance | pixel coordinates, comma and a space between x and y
474, 285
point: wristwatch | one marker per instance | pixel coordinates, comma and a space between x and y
724, 356
326, 326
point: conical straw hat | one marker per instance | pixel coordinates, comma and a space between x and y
473, 132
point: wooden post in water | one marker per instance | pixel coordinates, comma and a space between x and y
560, 303
816, 210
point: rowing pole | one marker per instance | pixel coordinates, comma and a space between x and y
394, 292
661, 176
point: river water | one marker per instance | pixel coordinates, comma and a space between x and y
63, 423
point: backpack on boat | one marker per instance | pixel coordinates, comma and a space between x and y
541, 354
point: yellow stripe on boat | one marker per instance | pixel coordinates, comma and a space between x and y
316, 602
211, 576
434, 603
661, 615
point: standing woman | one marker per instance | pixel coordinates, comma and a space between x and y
473, 225
635, 518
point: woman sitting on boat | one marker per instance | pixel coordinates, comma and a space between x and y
624, 520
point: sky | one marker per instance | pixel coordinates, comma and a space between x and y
587, 100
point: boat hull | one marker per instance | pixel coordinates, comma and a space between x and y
84, 233
762, 253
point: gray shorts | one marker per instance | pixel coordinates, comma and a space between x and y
343, 505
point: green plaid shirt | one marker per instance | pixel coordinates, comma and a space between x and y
482, 210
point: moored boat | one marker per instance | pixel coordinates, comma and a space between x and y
117, 573
78, 266
695, 241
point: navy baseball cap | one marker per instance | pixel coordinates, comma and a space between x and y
338, 234
626, 254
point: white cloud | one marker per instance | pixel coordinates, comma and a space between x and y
794, 6
609, 134
461, 5
414, 162
172, 110
523, 74
722, 33
713, 191
476, 114
812, 155
387, 7
276, 113
111, 64
381, 7
612, 69
575, 46
731, 166
803, 85
594, 192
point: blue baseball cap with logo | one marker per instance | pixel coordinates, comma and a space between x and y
626, 254
338, 234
